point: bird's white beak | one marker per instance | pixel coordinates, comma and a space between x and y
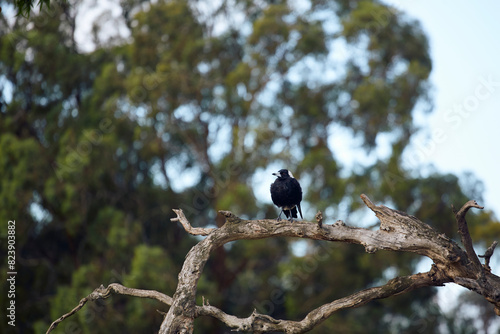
276, 174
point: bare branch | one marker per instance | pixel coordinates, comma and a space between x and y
123, 290
464, 231
265, 323
83, 301
103, 293
398, 232
487, 255
319, 218
470, 204
367, 201
187, 226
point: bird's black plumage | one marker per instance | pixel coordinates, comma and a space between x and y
286, 194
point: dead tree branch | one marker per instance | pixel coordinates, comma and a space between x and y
181, 218
262, 323
488, 254
464, 231
398, 232
103, 293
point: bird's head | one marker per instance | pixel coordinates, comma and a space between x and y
283, 174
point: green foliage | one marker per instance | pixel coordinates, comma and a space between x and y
24, 7
97, 147
23, 154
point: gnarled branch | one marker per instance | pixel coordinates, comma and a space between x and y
464, 230
398, 232
262, 323
103, 293
488, 254
181, 218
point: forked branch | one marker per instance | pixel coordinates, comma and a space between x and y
464, 230
398, 232
181, 218
488, 254
103, 293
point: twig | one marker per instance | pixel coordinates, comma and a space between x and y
319, 218
181, 218
103, 293
367, 201
83, 301
487, 255
464, 231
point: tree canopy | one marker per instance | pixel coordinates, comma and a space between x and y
24, 7
190, 109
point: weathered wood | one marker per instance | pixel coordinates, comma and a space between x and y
398, 232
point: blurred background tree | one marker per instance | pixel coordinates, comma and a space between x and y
193, 107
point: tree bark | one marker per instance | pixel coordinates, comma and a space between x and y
398, 232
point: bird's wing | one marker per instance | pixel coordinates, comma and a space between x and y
300, 211
296, 186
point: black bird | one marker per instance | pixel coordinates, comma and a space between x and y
286, 194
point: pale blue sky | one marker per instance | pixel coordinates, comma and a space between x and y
461, 133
